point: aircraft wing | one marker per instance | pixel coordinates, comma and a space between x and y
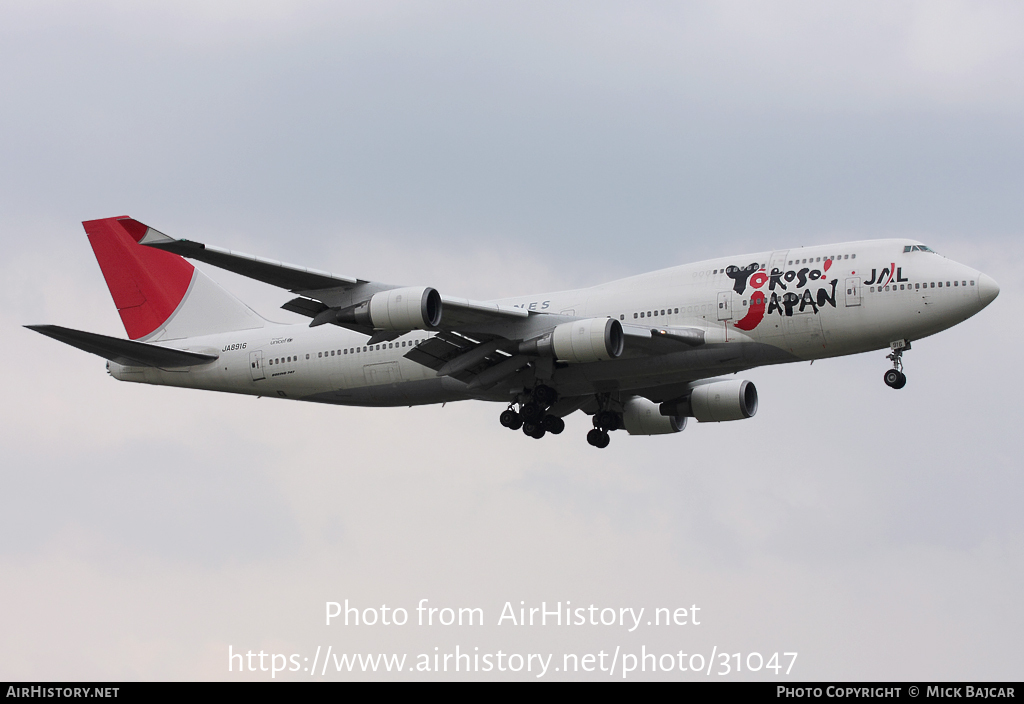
126, 352
320, 290
269, 271
476, 342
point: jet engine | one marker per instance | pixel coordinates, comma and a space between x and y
642, 417
589, 340
410, 308
735, 399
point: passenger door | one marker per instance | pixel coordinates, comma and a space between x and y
853, 293
725, 305
256, 365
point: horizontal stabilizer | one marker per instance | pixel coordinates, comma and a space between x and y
126, 352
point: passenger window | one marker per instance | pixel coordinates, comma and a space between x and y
677, 310
634, 316
307, 356
956, 283
641, 314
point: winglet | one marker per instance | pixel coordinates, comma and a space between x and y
143, 234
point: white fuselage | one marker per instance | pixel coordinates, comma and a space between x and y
801, 304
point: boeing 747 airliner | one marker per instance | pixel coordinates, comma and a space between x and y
641, 354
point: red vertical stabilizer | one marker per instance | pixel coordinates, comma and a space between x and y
147, 284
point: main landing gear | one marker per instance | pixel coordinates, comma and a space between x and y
895, 378
532, 415
604, 422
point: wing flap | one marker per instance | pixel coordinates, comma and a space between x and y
459, 356
126, 352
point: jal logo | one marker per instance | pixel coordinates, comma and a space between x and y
886, 275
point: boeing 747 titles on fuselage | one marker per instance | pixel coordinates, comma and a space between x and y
641, 354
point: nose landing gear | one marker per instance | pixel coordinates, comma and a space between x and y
895, 378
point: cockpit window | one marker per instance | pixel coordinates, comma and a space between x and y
918, 248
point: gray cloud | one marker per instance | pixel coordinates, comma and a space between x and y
491, 151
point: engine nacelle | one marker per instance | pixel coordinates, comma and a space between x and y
410, 308
642, 417
735, 399
590, 340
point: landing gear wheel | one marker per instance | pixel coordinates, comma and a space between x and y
895, 379
545, 395
531, 411
598, 438
533, 430
607, 420
508, 418
553, 424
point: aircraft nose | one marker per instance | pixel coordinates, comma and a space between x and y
988, 289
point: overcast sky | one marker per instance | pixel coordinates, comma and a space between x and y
493, 149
